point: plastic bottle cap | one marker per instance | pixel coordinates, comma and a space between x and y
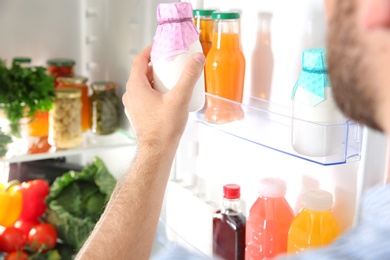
231, 191
317, 200
203, 12
272, 187
225, 15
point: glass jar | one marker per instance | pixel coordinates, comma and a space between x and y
65, 119
225, 69
61, 68
104, 108
79, 82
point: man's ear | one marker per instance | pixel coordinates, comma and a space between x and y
374, 14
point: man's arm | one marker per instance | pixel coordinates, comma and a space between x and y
127, 227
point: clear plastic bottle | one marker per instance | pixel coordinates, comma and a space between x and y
229, 226
269, 221
225, 69
175, 41
315, 225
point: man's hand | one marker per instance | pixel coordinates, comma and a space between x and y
159, 119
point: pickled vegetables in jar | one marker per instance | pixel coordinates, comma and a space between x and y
104, 108
79, 82
65, 119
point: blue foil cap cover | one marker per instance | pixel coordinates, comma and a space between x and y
313, 77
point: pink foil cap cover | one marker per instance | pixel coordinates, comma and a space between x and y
175, 31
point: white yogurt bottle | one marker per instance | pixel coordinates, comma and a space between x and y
175, 41
318, 126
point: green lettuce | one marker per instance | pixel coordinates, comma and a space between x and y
76, 201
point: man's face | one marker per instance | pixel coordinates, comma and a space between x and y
353, 75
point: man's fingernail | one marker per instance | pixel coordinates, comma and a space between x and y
199, 57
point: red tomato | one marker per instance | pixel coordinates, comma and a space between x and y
17, 255
11, 239
25, 225
42, 237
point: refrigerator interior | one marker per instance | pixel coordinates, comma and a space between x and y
104, 36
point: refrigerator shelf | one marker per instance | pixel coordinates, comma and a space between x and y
91, 142
272, 126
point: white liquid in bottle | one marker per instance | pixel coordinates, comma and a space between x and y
166, 73
175, 41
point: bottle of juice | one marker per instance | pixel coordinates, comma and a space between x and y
225, 69
269, 221
315, 224
204, 24
229, 226
262, 59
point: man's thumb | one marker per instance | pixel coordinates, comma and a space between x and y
190, 75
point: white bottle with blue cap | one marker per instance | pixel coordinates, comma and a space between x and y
317, 124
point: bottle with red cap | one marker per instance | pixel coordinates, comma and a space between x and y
229, 226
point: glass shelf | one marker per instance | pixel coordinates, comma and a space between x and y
272, 126
91, 142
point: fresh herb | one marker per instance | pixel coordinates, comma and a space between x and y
24, 91
4, 140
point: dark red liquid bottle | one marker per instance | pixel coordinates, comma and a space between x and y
229, 226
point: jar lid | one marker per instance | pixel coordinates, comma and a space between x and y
225, 15
317, 200
272, 187
203, 12
103, 85
75, 80
231, 191
61, 62
68, 92
21, 60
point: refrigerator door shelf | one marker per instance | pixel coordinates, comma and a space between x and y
272, 126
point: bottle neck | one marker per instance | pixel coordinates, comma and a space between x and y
264, 29
226, 34
231, 205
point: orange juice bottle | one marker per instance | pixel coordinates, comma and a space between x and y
80, 83
315, 225
225, 69
204, 24
268, 222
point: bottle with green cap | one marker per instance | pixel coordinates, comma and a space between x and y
225, 69
204, 24
316, 119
